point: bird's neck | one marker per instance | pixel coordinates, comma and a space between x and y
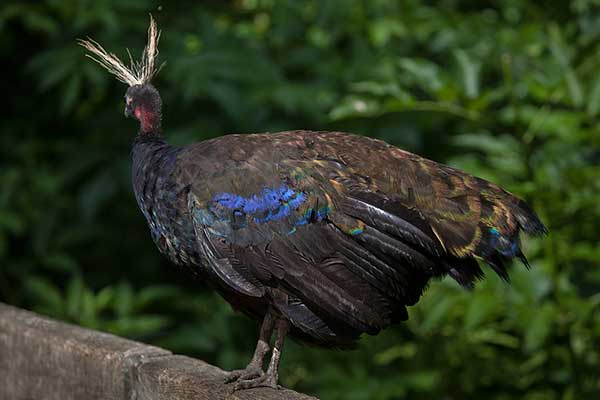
153, 159
150, 120
162, 198
149, 148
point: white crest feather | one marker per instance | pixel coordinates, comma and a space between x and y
138, 72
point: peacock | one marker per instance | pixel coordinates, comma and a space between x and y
323, 236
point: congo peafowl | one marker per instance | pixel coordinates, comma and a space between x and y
321, 235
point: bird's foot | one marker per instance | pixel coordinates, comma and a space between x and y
246, 374
264, 380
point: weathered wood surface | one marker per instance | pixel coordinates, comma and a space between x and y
45, 359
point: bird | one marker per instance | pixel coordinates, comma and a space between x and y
322, 236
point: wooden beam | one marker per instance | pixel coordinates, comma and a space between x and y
41, 358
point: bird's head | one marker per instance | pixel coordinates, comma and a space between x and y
142, 100
143, 103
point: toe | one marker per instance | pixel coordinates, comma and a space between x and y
243, 374
249, 383
233, 376
271, 382
263, 380
251, 373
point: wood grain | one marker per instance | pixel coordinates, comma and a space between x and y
45, 359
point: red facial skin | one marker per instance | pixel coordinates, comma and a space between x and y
148, 119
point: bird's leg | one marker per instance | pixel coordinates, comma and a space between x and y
255, 367
270, 378
283, 327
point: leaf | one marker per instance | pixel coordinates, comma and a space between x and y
493, 145
559, 50
382, 30
74, 297
435, 316
534, 362
479, 308
427, 107
61, 262
493, 336
47, 294
388, 356
470, 71
593, 103
354, 106
138, 326
70, 94
123, 299
191, 337
539, 327
11, 222
424, 73
87, 315
381, 89
419, 380
156, 293
575, 89
103, 298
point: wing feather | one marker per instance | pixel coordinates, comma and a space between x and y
344, 232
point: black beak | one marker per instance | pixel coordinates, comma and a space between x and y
128, 111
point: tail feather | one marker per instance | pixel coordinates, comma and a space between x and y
529, 220
393, 232
466, 272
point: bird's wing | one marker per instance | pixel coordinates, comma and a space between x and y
275, 235
352, 230
294, 236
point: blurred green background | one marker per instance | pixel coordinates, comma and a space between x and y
506, 90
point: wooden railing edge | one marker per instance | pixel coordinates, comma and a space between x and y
41, 358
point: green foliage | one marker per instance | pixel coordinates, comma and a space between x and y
508, 91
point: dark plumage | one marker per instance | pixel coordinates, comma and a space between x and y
325, 234
339, 233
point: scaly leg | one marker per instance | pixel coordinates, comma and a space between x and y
255, 367
270, 378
